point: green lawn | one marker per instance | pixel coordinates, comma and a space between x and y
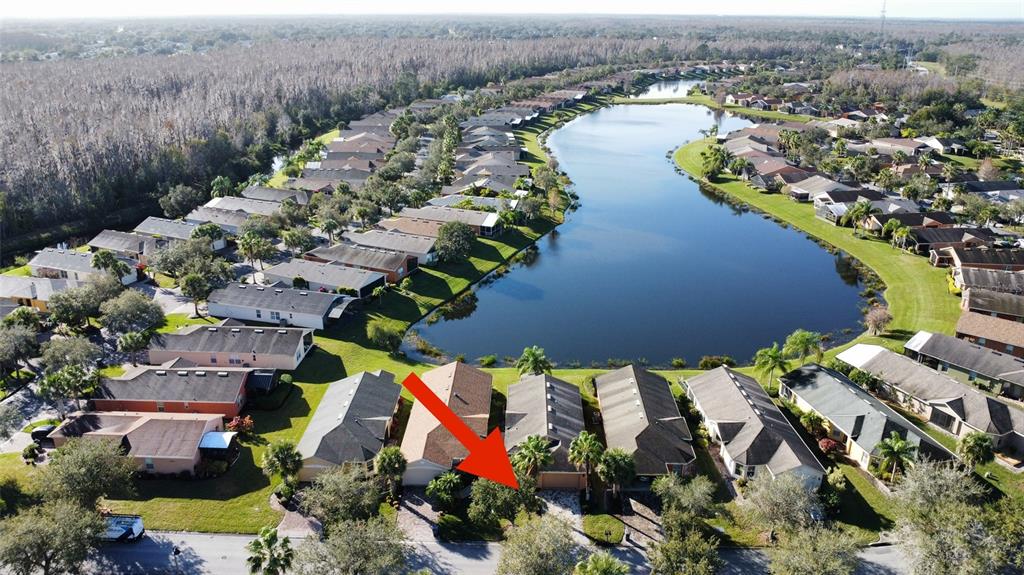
604, 529
28, 428
970, 163
916, 292
710, 103
23, 271
174, 321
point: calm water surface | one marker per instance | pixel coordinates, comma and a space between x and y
667, 89
649, 266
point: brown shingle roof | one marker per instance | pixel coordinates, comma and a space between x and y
991, 328
467, 391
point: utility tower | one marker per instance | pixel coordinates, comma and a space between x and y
883, 22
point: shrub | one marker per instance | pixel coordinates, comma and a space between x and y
678, 363
30, 453
713, 361
211, 468
385, 336
836, 479
488, 360
285, 378
285, 492
299, 282
828, 446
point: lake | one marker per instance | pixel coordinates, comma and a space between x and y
650, 266
666, 89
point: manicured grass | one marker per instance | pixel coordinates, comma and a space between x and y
863, 509
916, 292
23, 271
174, 321
970, 163
604, 529
112, 371
165, 281
28, 428
710, 103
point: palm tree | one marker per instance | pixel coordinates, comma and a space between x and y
951, 171
105, 260
329, 226
887, 179
132, 343
532, 454
390, 465
896, 451
975, 448
858, 213
585, 451
616, 468
252, 248
601, 563
533, 361
282, 459
900, 236
378, 292
268, 554
802, 343
813, 423
768, 360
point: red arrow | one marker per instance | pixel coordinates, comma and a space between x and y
487, 457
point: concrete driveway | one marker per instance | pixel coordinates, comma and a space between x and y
169, 300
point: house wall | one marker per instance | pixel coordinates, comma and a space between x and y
562, 480
420, 472
984, 382
992, 344
28, 302
263, 315
206, 359
364, 292
41, 272
218, 408
853, 450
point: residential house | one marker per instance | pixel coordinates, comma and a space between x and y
126, 245
419, 247
547, 407
351, 424
912, 220
754, 436
854, 418
231, 345
934, 240
175, 390
326, 277
276, 195
282, 306
326, 186
640, 416
890, 146
997, 304
993, 280
483, 223
429, 448
394, 265
992, 332
479, 202
167, 232
33, 292
946, 403
159, 443
808, 189
970, 363
412, 227
1009, 260
243, 204
73, 265
230, 221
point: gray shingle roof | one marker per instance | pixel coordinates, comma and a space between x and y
41, 289
394, 241
983, 300
442, 214
67, 260
204, 214
640, 416
275, 195
327, 274
247, 205
997, 280
546, 406
165, 228
231, 339
275, 299
351, 421
856, 412
358, 256
162, 384
968, 356
753, 428
118, 242
942, 392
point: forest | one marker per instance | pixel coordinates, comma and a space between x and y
102, 118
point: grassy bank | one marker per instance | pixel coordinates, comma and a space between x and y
916, 292
711, 103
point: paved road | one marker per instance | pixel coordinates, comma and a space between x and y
225, 555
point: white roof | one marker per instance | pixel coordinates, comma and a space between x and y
860, 354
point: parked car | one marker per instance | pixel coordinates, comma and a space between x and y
123, 528
39, 434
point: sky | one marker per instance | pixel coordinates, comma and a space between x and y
945, 9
